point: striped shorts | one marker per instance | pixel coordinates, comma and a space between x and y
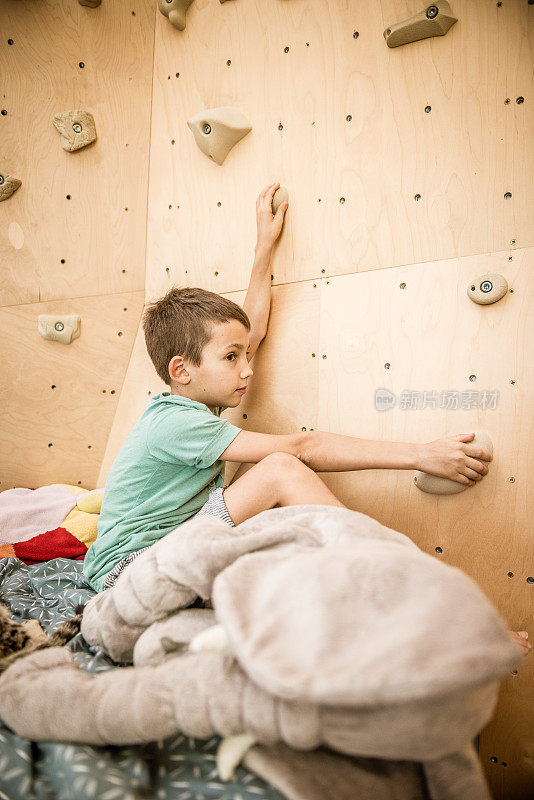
214, 505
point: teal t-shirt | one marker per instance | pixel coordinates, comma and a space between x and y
161, 477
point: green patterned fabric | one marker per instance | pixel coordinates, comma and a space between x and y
178, 768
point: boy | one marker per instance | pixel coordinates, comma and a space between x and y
171, 466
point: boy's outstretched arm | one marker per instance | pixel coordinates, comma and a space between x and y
257, 303
449, 458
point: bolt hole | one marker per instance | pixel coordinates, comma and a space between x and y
244, 416
417, 197
402, 285
510, 574
530, 580
387, 365
81, 65
286, 49
428, 109
520, 100
356, 34
439, 550
508, 195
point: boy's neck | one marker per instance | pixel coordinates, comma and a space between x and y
181, 394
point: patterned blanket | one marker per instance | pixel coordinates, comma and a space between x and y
178, 768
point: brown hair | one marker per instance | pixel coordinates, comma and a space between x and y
180, 324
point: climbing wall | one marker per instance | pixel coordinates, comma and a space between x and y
72, 236
408, 176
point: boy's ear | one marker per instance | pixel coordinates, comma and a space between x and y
177, 370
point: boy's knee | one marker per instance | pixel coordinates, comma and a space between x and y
281, 462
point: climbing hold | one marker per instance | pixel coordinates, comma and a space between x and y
434, 20
280, 196
8, 185
90, 3
217, 130
487, 289
77, 129
59, 328
433, 484
175, 10
222, 1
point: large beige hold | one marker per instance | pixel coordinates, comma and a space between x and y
280, 196
433, 484
62, 329
434, 20
175, 11
8, 185
77, 129
217, 130
487, 289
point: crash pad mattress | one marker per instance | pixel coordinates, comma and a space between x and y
178, 768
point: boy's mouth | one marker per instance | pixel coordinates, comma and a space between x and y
242, 389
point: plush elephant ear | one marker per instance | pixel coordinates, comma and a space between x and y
361, 625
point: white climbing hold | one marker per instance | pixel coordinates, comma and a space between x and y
433, 484
280, 196
487, 289
217, 130
8, 185
77, 129
59, 328
175, 11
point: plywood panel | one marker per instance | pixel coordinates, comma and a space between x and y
52, 247
462, 157
59, 400
434, 338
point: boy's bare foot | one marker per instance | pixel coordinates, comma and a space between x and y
521, 637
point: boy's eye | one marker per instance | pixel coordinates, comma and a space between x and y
230, 355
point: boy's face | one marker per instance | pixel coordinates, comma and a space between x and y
224, 368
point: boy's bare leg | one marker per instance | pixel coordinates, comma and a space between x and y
279, 479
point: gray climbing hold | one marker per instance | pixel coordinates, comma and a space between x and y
77, 129
487, 289
433, 484
217, 130
8, 185
63, 328
280, 196
175, 11
90, 3
434, 20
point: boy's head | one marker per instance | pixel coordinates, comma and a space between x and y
188, 334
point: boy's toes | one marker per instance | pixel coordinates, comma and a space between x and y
521, 637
